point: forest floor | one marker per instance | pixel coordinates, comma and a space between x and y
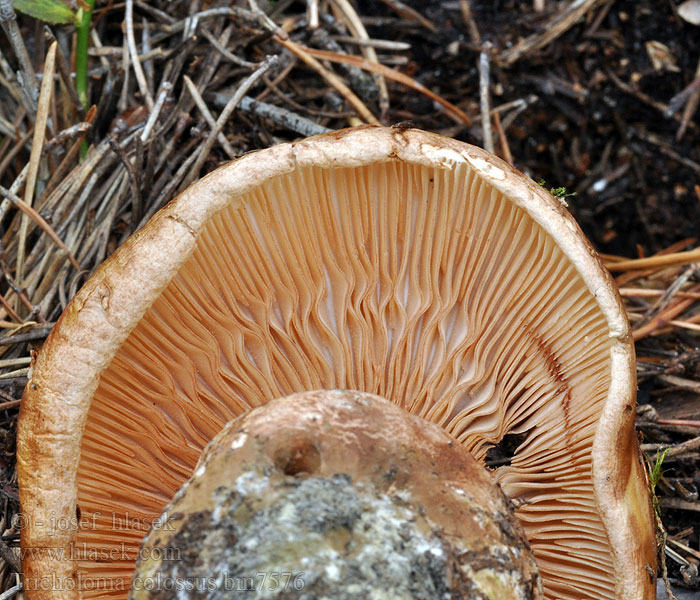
595, 96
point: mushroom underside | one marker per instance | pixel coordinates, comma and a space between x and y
477, 331
424, 284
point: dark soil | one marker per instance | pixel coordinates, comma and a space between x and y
582, 128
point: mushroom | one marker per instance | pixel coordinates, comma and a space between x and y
385, 260
308, 494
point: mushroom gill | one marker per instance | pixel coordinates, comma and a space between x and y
422, 285
420, 281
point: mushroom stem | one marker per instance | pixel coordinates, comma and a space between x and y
336, 494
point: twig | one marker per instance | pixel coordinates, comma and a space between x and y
158, 14
105, 52
265, 21
134, 180
644, 292
134, 55
627, 276
666, 260
680, 504
42, 117
468, 18
306, 55
5, 324
364, 84
683, 547
484, 98
518, 106
602, 13
641, 96
303, 107
663, 317
8, 20
64, 166
145, 49
691, 106
124, 94
662, 536
666, 149
165, 89
77, 130
228, 55
687, 446
279, 78
14, 188
394, 75
11, 382
12, 592
21, 295
625, 87
206, 113
9, 310
225, 114
17, 373
18, 147
98, 49
223, 11
64, 70
681, 422
276, 114
505, 148
684, 325
9, 557
22, 361
39, 220
409, 13
358, 30
671, 292
381, 44
312, 14
675, 383
677, 101
171, 186
558, 25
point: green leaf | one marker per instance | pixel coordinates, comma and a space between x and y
51, 11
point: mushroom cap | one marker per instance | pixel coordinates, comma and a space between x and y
312, 486
391, 261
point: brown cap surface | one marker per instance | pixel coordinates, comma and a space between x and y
395, 262
312, 487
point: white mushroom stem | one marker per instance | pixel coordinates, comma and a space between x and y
336, 494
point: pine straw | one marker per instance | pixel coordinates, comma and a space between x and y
187, 86
662, 297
